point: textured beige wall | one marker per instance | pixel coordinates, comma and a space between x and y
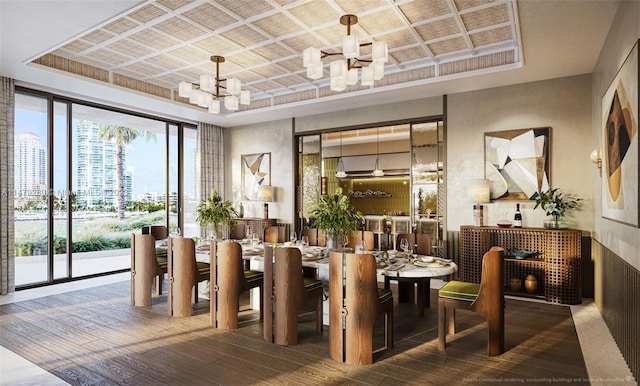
275, 137
623, 240
563, 104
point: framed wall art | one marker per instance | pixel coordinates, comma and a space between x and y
517, 162
620, 144
256, 171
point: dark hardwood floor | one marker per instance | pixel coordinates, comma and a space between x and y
95, 337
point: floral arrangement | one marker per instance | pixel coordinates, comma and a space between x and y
556, 204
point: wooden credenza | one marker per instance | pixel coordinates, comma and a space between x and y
557, 267
255, 224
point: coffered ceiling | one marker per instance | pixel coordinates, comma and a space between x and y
153, 46
133, 53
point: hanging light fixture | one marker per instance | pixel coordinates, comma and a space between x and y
377, 172
340, 173
207, 93
345, 72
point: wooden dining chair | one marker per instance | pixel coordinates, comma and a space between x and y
273, 234
354, 297
423, 244
312, 235
238, 232
144, 269
410, 238
228, 280
486, 298
356, 237
290, 291
184, 275
159, 232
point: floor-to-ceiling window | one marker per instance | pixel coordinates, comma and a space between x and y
86, 178
31, 166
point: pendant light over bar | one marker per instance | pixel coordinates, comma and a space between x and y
340, 173
345, 72
377, 172
208, 94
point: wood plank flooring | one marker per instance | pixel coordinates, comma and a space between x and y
95, 337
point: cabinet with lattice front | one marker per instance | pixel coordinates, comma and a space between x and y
557, 266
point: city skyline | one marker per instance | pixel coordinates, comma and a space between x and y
139, 154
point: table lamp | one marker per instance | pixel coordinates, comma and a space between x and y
265, 194
479, 191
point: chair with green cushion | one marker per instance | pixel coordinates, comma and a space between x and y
289, 291
229, 279
486, 298
355, 297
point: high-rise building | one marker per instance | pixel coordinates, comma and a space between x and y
95, 166
30, 165
129, 183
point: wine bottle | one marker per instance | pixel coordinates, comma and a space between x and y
517, 219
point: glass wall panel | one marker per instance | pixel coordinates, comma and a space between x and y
60, 194
174, 165
309, 169
427, 176
119, 185
189, 195
30, 194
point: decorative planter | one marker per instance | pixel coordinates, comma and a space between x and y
556, 223
531, 284
515, 284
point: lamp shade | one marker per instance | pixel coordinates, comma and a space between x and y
214, 107
231, 102
265, 193
350, 47
367, 76
479, 190
185, 89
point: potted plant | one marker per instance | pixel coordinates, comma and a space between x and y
556, 204
213, 212
336, 216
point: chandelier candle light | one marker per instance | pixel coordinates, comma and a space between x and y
207, 94
345, 72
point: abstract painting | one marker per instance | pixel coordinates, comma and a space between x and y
620, 144
517, 163
256, 171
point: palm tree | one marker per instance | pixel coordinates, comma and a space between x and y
122, 136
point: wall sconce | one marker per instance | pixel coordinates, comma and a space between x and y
596, 157
265, 194
479, 192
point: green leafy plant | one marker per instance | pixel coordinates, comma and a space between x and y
556, 204
336, 216
215, 211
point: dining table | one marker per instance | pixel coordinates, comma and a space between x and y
317, 259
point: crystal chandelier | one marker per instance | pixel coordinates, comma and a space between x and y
345, 72
208, 94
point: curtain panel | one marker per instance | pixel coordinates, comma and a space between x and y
7, 249
209, 160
